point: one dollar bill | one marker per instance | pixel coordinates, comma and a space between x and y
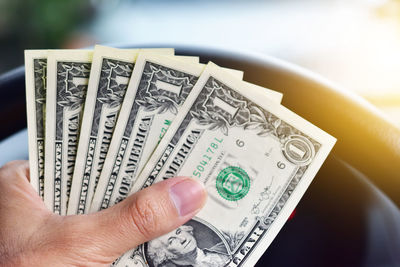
109, 78
35, 77
158, 87
67, 79
255, 158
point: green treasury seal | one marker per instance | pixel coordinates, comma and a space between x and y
233, 183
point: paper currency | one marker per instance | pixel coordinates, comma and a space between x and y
109, 78
238, 74
187, 59
67, 79
255, 158
158, 87
35, 78
262, 92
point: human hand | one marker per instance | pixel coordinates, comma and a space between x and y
30, 235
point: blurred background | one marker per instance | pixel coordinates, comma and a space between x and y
354, 43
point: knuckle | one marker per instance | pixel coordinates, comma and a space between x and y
9, 171
13, 166
144, 214
14, 163
9, 165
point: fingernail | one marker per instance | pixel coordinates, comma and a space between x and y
187, 195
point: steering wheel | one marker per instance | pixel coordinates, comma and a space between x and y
350, 214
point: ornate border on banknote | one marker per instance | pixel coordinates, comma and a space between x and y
150, 98
40, 72
248, 116
71, 94
110, 94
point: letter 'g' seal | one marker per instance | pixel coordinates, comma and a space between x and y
233, 183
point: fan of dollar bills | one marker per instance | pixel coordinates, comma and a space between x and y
107, 122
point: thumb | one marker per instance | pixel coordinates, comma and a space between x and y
149, 213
